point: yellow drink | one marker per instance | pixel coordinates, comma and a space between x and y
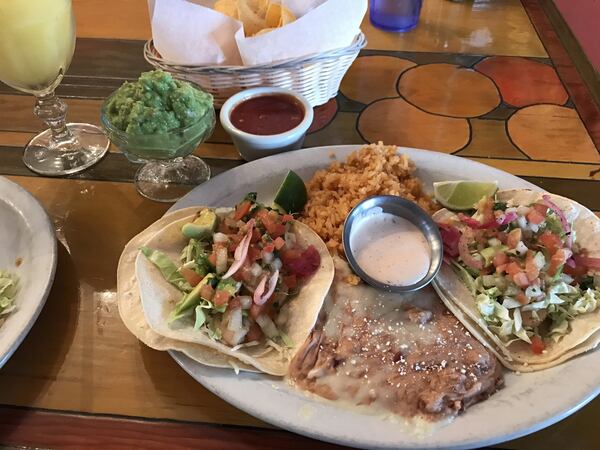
37, 41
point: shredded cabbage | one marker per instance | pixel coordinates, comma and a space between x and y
9, 286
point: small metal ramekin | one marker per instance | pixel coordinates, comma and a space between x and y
406, 209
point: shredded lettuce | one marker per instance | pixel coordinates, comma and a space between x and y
167, 268
200, 317
465, 276
9, 286
587, 303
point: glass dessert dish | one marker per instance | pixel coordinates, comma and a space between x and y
169, 170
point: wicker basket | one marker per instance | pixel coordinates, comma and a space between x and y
316, 76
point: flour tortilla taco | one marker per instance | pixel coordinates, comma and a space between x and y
132, 313
523, 274
247, 282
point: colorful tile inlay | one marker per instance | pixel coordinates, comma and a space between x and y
550, 132
495, 107
449, 90
524, 82
397, 121
373, 77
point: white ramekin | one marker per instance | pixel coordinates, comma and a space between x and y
253, 146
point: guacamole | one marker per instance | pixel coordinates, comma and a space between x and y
157, 103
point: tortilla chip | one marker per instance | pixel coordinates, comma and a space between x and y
227, 7
287, 16
278, 15
158, 298
264, 31
585, 328
251, 19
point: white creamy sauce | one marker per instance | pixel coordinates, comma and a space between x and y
390, 249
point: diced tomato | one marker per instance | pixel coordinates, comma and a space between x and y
191, 277
500, 259
541, 208
535, 217
212, 259
234, 303
221, 298
207, 292
254, 333
279, 243
274, 229
558, 259
551, 241
268, 248
514, 237
244, 273
261, 214
242, 209
521, 279
304, 265
288, 255
253, 253
501, 268
513, 268
234, 242
530, 268
537, 345
287, 218
255, 235
290, 281
522, 298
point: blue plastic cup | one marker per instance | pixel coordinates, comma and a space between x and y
395, 15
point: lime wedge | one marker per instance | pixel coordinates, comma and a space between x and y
462, 194
291, 195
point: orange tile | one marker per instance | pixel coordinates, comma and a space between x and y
371, 78
395, 121
524, 82
552, 133
449, 90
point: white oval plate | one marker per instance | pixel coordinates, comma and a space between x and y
27, 233
528, 402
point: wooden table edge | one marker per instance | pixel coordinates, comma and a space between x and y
42, 428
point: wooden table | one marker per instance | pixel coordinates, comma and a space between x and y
486, 80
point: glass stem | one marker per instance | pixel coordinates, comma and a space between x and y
52, 111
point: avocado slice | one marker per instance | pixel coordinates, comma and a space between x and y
203, 226
190, 300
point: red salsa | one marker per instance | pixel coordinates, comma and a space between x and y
267, 114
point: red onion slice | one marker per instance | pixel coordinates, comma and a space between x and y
475, 224
507, 218
260, 289
587, 261
261, 299
241, 251
450, 238
563, 220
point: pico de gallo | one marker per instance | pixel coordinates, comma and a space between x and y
236, 273
529, 275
